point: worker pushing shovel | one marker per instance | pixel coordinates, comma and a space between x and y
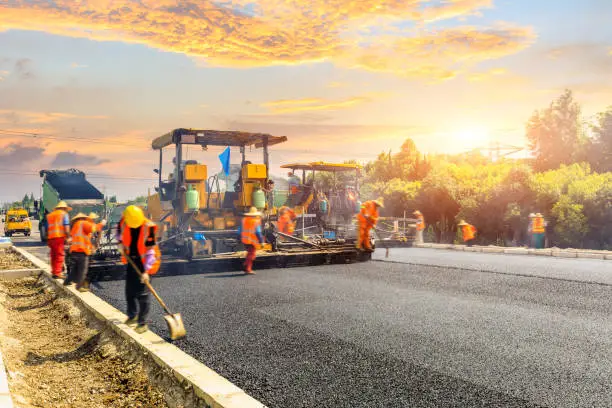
139, 250
367, 219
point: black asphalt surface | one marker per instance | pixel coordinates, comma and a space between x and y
384, 334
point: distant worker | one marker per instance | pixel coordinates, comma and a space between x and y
469, 232
269, 191
286, 218
367, 219
251, 236
420, 226
137, 238
538, 230
83, 228
294, 183
58, 234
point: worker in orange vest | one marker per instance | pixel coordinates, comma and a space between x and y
251, 237
420, 226
286, 217
58, 234
137, 239
538, 230
81, 248
367, 219
469, 232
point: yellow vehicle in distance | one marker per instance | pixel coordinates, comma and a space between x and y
17, 221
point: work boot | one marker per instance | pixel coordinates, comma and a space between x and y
131, 321
141, 328
83, 289
60, 276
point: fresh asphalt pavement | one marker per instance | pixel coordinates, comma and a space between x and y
430, 329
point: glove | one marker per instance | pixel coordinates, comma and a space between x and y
103, 223
144, 278
149, 259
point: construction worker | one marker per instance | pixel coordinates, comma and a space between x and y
81, 248
420, 226
469, 232
367, 219
251, 237
286, 217
58, 234
538, 231
137, 239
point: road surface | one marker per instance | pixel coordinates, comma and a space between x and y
430, 329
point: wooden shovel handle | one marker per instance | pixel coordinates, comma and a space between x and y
161, 302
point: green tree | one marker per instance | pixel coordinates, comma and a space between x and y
554, 135
600, 152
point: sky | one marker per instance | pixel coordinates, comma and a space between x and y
90, 83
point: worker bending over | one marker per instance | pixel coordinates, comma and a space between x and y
251, 237
137, 238
367, 219
286, 223
58, 234
469, 232
83, 228
420, 226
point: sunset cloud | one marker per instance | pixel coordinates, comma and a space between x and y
26, 117
312, 104
243, 33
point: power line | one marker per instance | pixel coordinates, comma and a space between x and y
14, 133
92, 176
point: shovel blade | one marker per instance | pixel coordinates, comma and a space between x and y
175, 326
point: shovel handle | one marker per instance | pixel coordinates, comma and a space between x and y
148, 284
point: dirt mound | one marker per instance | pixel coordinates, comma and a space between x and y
55, 360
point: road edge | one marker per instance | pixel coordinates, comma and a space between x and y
207, 385
5, 393
555, 252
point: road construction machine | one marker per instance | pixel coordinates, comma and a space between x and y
199, 213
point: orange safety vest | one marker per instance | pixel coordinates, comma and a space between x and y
126, 240
538, 225
469, 232
248, 235
81, 236
285, 225
55, 224
420, 226
369, 214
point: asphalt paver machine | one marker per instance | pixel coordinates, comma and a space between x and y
199, 220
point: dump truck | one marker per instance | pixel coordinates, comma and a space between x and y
71, 186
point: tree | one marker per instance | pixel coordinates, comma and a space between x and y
554, 135
600, 152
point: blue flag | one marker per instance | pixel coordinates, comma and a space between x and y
225, 160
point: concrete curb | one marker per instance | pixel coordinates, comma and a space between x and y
208, 386
5, 394
555, 252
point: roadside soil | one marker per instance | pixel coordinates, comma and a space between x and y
55, 360
12, 260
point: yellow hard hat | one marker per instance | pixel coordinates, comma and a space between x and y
252, 212
133, 216
462, 223
380, 202
78, 216
93, 216
62, 205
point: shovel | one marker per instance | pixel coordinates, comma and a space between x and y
174, 321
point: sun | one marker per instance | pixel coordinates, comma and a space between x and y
476, 136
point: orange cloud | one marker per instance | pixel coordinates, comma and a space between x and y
312, 104
244, 33
443, 54
27, 117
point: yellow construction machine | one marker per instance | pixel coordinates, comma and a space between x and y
199, 220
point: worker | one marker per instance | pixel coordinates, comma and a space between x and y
58, 234
251, 237
294, 183
367, 219
268, 189
286, 223
469, 232
530, 231
420, 226
137, 239
83, 228
538, 230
